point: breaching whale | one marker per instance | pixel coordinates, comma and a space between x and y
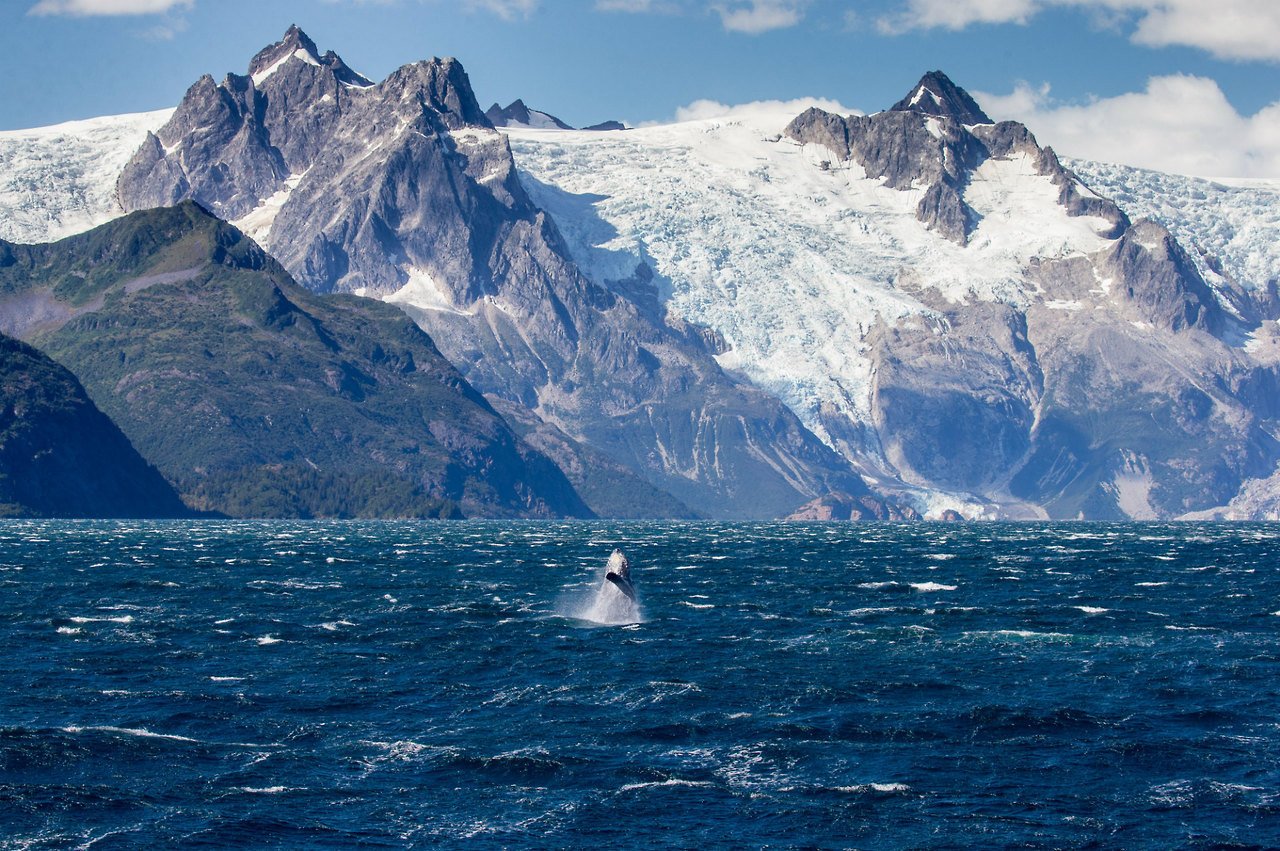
618, 571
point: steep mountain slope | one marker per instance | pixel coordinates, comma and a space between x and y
258, 398
943, 302
403, 190
60, 456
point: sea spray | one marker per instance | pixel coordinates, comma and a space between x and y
608, 601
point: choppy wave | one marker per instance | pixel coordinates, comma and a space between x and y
783, 685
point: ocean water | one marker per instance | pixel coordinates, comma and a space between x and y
395, 685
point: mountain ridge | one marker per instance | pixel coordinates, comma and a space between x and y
259, 398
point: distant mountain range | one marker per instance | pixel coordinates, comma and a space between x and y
517, 115
917, 312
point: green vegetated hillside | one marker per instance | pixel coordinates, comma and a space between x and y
255, 397
62, 457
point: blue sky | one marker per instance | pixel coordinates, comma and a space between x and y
1185, 85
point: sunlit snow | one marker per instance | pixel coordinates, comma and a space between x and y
792, 256
61, 180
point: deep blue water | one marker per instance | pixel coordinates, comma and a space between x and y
391, 685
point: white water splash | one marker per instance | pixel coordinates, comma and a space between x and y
604, 604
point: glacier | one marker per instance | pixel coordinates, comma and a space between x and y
61, 180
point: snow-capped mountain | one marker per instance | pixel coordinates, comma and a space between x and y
966, 320
944, 302
404, 190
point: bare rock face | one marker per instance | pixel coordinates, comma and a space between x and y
935, 94
402, 189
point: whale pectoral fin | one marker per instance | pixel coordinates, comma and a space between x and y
622, 585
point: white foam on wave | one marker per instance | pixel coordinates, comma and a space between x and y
227, 679
140, 732
673, 781
1091, 610
1018, 633
882, 788
126, 619
69, 630
268, 640
263, 790
932, 586
697, 605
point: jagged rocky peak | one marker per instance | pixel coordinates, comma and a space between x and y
518, 114
297, 45
937, 138
936, 95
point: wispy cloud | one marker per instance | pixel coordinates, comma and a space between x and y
701, 110
85, 8
758, 16
1179, 123
1228, 29
743, 16
508, 10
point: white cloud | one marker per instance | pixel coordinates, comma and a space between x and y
758, 16
1180, 124
957, 14
1228, 29
508, 10
744, 16
627, 6
706, 109
107, 7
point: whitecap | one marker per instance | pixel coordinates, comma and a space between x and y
227, 679
69, 630
1091, 610
124, 620
932, 586
697, 605
268, 640
882, 788
674, 781
263, 790
140, 732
